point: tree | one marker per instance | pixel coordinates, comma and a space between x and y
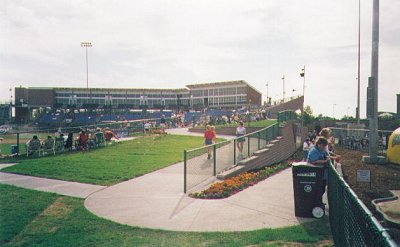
308, 116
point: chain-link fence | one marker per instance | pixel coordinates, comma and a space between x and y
203, 163
287, 115
352, 224
358, 139
15, 142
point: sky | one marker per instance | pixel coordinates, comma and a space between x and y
169, 44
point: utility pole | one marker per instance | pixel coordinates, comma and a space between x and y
358, 74
87, 45
372, 92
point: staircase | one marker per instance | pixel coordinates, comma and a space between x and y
275, 151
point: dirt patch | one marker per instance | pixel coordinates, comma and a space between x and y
58, 209
383, 177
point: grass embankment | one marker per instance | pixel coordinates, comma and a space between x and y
32, 218
259, 124
113, 164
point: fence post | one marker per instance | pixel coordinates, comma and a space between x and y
258, 144
215, 159
184, 170
248, 146
234, 151
18, 144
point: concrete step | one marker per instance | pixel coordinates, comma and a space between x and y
232, 172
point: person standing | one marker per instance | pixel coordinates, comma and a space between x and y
306, 148
240, 132
209, 136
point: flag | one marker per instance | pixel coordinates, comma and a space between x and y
302, 72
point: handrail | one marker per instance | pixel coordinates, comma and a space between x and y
228, 141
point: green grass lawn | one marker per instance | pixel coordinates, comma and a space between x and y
33, 218
261, 124
113, 164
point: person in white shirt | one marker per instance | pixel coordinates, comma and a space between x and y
306, 148
240, 132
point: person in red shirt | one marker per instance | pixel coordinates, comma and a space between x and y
83, 138
209, 136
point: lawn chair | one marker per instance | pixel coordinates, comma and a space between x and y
100, 140
48, 147
32, 149
59, 145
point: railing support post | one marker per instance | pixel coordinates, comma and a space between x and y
248, 146
17, 144
234, 151
258, 144
184, 170
215, 160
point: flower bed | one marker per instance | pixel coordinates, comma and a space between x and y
238, 183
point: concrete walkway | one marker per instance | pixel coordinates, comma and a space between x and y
156, 200
48, 185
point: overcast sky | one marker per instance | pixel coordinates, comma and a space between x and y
168, 44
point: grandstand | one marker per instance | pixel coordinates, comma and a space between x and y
81, 106
5, 113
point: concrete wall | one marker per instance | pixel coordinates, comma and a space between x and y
294, 105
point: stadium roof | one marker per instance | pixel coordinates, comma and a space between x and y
190, 86
222, 83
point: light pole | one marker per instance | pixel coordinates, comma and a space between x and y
333, 110
358, 73
87, 45
303, 74
283, 80
372, 91
267, 92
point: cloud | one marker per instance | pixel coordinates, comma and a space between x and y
172, 43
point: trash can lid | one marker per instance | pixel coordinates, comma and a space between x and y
304, 164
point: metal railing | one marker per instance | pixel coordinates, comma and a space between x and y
198, 167
357, 139
352, 224
284, 116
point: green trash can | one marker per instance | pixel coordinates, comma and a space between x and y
308, 190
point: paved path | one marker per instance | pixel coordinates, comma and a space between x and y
156, 200
48, 185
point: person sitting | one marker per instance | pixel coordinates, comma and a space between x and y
68, 141
48, 143
109, 134
33, 145
98, 137
83, 140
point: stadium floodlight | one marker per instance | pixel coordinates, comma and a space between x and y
87, 45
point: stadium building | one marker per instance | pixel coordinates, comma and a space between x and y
218, 95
